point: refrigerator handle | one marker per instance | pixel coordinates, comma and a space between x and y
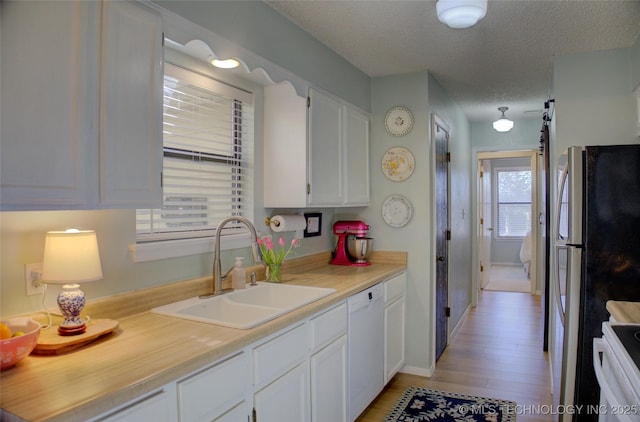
561, 190
557, 282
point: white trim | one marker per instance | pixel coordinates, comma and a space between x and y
455, 330
414, 370
154, 251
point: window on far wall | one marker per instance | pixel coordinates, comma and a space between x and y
513, 202
208, 144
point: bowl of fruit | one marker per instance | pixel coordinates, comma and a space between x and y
18, 338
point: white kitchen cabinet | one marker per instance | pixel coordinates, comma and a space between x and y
326, 163
328, 365
286, 398
159, 406
131, 89
81, 105
216, 392
394, 324
356, 163
316, 150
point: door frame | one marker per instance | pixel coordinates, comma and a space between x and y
535, 214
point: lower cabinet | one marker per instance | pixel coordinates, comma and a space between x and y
394, 324
296, 374
286, 398
159, 406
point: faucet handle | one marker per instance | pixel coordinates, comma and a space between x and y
252, 277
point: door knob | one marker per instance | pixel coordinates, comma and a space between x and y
440, 258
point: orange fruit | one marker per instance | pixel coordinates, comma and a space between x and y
5, 331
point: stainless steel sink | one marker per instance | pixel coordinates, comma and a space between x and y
245, 308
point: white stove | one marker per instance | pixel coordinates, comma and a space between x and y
618, 372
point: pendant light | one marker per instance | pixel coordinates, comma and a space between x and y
503, 124
461, 14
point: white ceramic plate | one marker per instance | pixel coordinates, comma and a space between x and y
398, 121
396, 211
398, 164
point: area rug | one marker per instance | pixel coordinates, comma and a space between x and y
421, 404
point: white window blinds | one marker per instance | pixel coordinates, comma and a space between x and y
208, 145
513, 202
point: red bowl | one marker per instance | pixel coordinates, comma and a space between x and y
14, 349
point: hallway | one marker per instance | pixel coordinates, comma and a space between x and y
497, 353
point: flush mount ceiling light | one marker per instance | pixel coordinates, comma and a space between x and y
224, 63
503, 124
460, 14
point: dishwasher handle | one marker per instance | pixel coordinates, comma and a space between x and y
365, 298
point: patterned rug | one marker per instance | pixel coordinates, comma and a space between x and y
420, 404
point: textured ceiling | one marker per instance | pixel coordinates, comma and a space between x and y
504, 60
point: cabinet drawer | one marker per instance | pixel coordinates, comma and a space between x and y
209, 393
276, 356
328, 326
395, 287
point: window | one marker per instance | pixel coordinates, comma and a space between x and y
513, 202
208, 144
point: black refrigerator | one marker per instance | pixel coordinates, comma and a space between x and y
597, 259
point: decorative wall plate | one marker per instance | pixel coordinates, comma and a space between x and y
398, 164
398, 121
396, 210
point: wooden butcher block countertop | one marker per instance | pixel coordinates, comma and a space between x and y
624, 312
149, 350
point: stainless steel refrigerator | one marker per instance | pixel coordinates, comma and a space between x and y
596, 259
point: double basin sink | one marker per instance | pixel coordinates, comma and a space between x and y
245, 308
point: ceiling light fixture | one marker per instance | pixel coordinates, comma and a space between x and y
224, 63
503, 124
461, 14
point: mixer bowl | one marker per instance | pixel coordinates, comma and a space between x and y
360, 248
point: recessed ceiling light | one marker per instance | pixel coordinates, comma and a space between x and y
225, 63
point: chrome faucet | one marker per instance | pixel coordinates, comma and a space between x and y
217, 272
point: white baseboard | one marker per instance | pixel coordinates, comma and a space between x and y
453, 332
414, 370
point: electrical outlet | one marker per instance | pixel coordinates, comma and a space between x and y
33, 279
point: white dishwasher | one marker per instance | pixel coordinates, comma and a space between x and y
365, 348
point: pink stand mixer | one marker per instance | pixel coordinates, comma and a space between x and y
354, 247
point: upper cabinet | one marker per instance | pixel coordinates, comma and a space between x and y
81, 105
316, 150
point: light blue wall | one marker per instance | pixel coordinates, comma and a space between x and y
22, 233
258, 28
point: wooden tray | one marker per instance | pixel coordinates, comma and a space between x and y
51, 343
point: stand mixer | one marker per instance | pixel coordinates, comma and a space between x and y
354, 250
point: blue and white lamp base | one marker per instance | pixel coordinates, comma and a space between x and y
71, 301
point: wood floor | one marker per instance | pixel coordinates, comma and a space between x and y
496, 353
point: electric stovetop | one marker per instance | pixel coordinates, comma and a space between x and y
629, 336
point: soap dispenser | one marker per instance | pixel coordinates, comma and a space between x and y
238, 275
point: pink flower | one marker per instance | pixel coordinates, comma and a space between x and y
281, 241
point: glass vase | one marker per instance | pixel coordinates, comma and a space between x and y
274, 273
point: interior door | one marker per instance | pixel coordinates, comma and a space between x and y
441, 138
485, 225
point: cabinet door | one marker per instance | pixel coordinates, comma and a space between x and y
49, 109
285, 399
130, 106
285, 147
356, 146
158, 407
325, 150
394, 327
329, 382
215, 391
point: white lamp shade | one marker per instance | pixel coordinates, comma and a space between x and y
71, 256
460, 14
503, 125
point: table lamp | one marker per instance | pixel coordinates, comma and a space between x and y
71, 257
